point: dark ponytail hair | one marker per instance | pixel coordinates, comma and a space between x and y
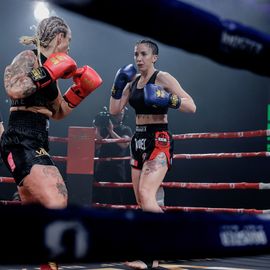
151, 44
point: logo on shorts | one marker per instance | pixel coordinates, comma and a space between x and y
133, 162
140, 144
11, 162
162, 139
141, 128
41, 152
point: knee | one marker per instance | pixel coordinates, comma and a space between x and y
144, 196
55, 202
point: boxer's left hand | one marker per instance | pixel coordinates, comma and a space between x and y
86, 80
58, 65
156, 96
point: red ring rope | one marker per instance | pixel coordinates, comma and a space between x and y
199, 156
242, 185
169, 208
58, 139
189, 209
238, 185
209, 135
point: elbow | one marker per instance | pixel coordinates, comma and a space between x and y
193, 108
21, 87
60, 114
12, 94
57, 117
188, 107
114, 111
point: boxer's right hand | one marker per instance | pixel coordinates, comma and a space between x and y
57, 65
86, 80
123, 76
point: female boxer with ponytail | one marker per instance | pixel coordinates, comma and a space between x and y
151, 93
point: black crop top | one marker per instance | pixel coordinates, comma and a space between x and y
41, 97
136, 98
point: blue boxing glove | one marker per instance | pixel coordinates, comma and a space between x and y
156, 96
123, 76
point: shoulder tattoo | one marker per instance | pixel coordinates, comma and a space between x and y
15, 77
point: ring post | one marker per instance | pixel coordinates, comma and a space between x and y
80, 164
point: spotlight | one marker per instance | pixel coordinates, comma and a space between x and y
41, 11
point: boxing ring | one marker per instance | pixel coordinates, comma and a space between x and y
81, 159
205, 231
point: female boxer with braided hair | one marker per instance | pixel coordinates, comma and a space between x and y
151, 93
31, 83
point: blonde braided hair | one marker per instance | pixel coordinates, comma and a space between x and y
46, 31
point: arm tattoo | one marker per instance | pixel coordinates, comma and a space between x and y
17, 83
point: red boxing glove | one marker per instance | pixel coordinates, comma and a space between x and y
57, 65
86, 81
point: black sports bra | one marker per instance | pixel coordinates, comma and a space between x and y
136, 98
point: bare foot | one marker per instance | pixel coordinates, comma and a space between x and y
141, 265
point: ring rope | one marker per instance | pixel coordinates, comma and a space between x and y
4, 179
169, 208
222, 155
209, 135
241, 185
58, 139
3, 202
183, 156
59, 158
199, 156
223, 135
189, 209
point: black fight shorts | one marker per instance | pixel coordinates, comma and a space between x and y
25, 143
148, 141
